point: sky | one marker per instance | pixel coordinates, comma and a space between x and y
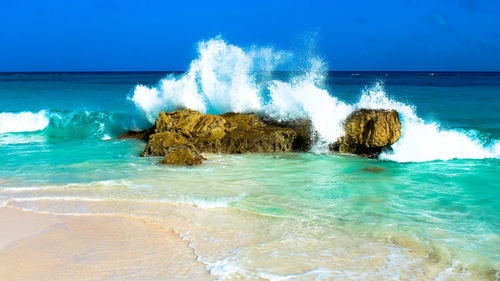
125, 35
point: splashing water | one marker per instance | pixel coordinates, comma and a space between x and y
423, 141
23, 121
220, 80
302, 98
58, 125
223, 79
425, 221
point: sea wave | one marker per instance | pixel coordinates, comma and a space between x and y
57, 193
224, 78
13, 122
426, 141
53, 125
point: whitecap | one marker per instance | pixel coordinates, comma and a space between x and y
25, 121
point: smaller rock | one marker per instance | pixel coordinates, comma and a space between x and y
160, 143
368, 131
182, 155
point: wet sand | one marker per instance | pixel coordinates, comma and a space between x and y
36, 246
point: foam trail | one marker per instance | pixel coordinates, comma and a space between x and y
198, 203
23, 121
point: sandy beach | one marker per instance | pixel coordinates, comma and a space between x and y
250, 140
36, 246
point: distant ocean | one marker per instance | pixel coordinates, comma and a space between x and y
433, 212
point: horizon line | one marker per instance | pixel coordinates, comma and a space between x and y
183, 71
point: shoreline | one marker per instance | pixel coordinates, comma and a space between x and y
36, 246
164, 239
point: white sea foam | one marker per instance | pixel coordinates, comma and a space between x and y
426, 141
303, 98
107, 183
398, 265
457, 271
16, 194
194, 202
20, 139
23, 121
223, 79
220, 78
317, 274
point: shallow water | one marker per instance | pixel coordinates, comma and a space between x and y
280, 216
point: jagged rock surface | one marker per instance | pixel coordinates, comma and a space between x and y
248, 133
188, 132
160, 143
368, 131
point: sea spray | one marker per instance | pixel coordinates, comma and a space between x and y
220, 80
224, 78
425, 141
302, 98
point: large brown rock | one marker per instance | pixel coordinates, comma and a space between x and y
204, 131
368, 131
187, 133
191, 124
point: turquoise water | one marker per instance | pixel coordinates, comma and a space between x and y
436, 194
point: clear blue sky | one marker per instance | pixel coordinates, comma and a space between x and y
100, 35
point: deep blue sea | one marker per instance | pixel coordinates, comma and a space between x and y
432, 213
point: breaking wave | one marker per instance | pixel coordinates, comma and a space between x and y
426, 141
12, 122
23, 127
224, 78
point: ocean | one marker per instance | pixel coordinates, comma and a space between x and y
431, 213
